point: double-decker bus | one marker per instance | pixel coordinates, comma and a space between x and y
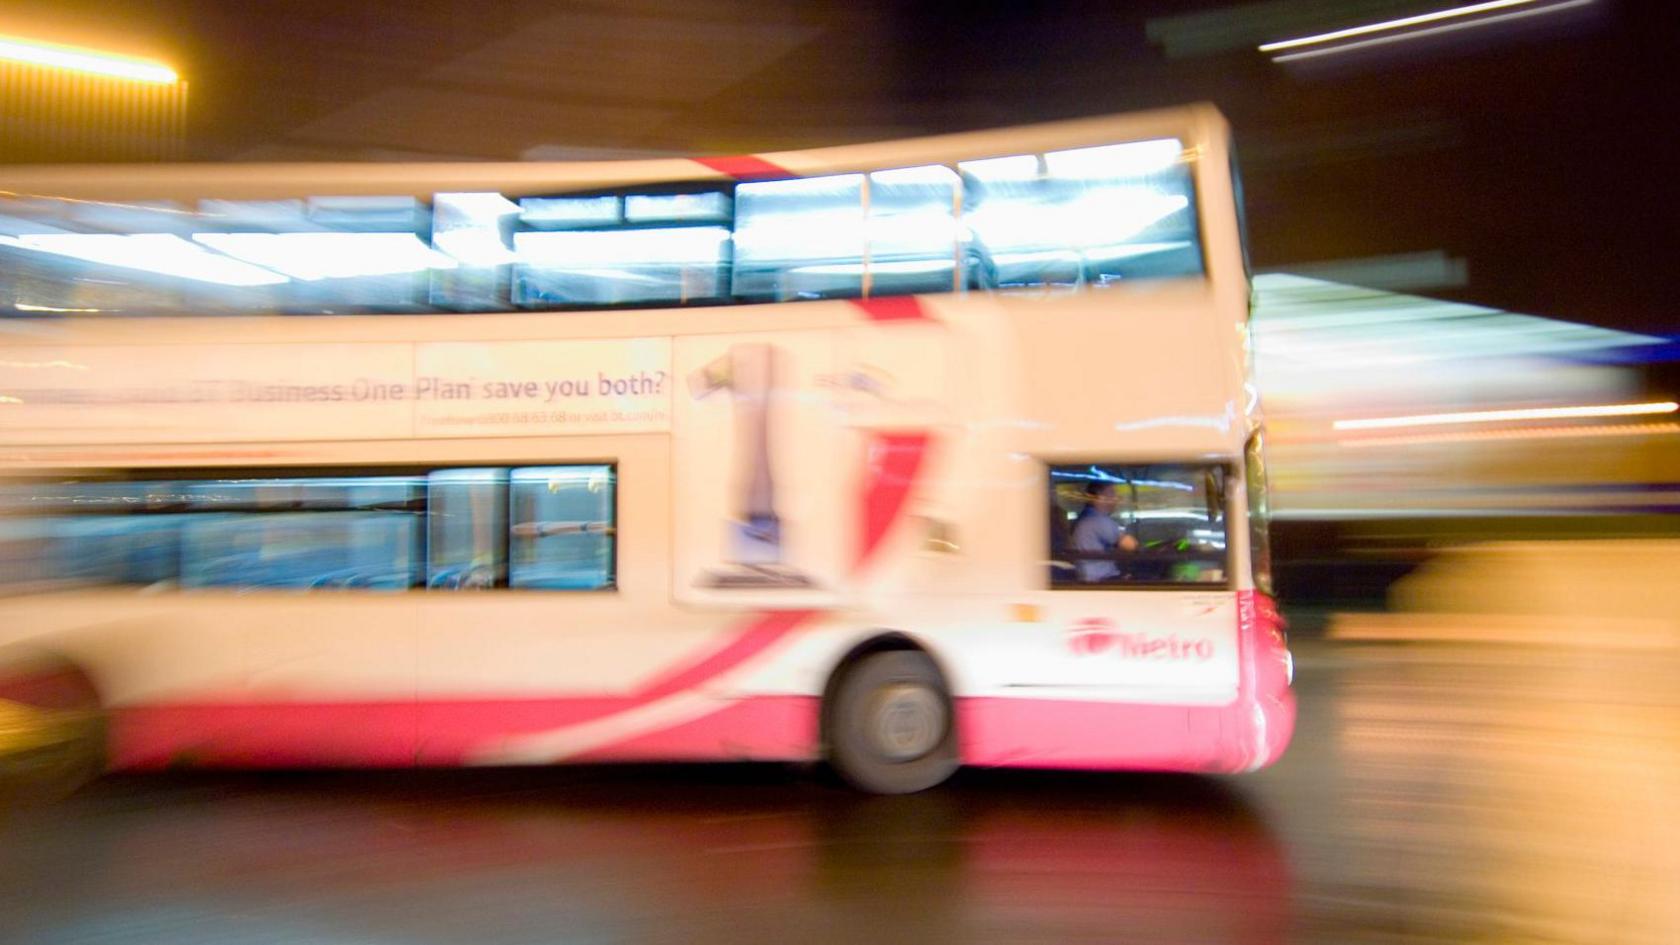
900, 456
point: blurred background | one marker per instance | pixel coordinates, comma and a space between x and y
1462, 243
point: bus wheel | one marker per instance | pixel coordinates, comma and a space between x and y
52, 725
891, 729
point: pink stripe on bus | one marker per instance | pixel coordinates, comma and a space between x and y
1064, 733
283, 733
753, 728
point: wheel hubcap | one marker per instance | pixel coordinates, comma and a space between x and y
907, 721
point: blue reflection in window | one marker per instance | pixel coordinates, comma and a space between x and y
302, 533
710, 207
466, 545
619, 267
562, 528
449, 529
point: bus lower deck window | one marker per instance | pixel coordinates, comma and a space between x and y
538, 527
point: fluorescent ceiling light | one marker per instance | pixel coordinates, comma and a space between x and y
1014, 168
312, 256
569, 211
925, 175
639, 249
90, 61
1135, 159
1494, 416
640, 208
1411, 34
476, 206
468, 226
1098, 217
366, 214
262, 214
834, 186
159, 253
468, 476
475, 247
909, 267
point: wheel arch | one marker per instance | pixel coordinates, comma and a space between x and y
54, 706
25, 664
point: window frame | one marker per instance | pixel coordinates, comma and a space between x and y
1257, 511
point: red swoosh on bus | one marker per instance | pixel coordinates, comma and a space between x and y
763, 632
745, 167
894, 308
894, 461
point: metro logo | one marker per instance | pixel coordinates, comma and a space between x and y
1094, 635
1091, 635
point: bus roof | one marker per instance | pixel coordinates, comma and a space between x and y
1196, 125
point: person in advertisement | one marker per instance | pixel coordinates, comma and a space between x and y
755, 543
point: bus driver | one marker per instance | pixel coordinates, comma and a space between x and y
1097, 533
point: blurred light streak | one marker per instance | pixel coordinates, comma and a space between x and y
1535, 433
1400, 23
114, 204
34, 365
314, 256
1527, 630
28, 307
91, 61
1494, 416
1431, 31
686, 245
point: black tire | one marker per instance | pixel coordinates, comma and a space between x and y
891, 729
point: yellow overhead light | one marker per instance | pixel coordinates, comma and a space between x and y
1496, 416
91, 61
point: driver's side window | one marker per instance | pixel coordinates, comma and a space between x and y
1137, 525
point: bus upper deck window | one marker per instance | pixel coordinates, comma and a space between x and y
800, 238
1083, 216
